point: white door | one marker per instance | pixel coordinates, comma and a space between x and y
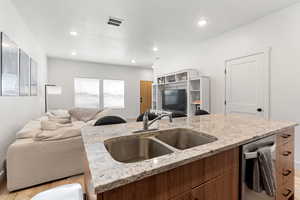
247, 85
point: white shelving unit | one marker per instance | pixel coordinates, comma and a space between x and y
200, 90
197, 87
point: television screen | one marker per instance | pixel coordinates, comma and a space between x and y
174, 100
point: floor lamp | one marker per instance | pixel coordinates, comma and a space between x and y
51, 90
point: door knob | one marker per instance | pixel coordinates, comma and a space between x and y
259, 109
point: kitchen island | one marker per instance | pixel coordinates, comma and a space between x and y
206, 171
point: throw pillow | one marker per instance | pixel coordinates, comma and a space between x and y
83, 114
109, 120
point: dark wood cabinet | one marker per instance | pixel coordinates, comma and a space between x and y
216, 175
212, 190
185, 196
224, 187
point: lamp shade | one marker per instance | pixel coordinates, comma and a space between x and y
54, 90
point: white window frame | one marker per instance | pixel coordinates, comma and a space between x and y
101, 92
114, 107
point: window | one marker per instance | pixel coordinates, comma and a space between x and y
113, 93
87, 93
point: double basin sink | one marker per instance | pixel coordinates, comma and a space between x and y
137, 148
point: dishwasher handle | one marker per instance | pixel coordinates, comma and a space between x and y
254, 154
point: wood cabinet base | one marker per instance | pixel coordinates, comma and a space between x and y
213, 178
285, 165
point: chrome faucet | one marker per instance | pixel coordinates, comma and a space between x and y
147, 124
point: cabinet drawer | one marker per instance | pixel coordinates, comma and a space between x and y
224, 187
286, 192
284, 176
286, 150
285, 137
285, 163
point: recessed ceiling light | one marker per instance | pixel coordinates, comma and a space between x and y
133, 61
155, 49
74, 53
202, 22
73, 33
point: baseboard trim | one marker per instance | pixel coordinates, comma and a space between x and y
297, 164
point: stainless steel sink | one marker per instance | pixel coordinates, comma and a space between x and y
182, 138
134, 149
154, 144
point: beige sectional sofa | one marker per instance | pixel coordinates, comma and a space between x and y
38, 156
31, 162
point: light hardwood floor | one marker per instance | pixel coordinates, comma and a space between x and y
27, 194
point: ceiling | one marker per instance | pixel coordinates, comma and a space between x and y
148, 23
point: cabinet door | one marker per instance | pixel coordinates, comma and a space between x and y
212, 190
224, 187
179, 181
186, 196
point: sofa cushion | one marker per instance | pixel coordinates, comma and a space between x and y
83, 114
61, 132
59, 116
49, 125
105, 112
30, 130
60, 113
59, 119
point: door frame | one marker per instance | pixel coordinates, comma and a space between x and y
267, 77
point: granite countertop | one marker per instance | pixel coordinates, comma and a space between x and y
231, 131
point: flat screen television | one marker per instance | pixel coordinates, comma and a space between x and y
174, 100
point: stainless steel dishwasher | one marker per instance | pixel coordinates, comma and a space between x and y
249, 153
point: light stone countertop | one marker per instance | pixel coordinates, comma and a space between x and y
231, 131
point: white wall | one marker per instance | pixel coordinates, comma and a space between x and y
280, 30
62, 72
16, 111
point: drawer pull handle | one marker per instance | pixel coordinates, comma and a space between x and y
287, 193
286, 153
286, 172
286, 136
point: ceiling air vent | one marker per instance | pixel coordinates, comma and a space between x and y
115, 21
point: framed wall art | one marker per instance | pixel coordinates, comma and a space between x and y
33, 78
9, 67
24, 72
